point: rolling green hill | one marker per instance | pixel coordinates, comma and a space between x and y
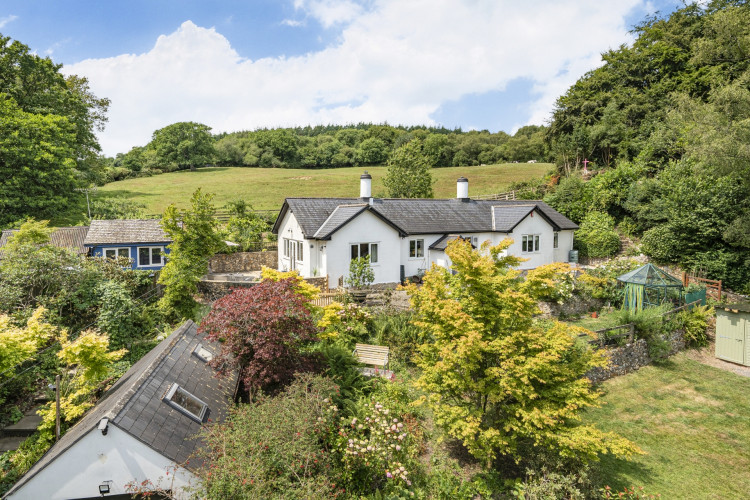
266, 188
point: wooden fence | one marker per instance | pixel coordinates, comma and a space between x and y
325, 299
603, 339
712, 286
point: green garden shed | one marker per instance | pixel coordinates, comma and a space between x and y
733, 333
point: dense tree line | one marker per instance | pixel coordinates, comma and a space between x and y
330, 146
666, 122
47, 142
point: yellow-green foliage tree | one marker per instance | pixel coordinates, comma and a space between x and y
495, 380
302, 287
91, 360
20, 344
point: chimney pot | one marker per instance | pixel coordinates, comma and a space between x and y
462, 188
365, 185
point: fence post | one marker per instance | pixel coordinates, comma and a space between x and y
631, 331
719, 290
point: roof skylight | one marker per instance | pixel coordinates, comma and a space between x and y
184, 402
202, 353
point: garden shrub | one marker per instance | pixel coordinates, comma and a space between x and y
550, 283
273, 448
340, 365
361, 274
265, 331
597, 236
649, 325
397, 331
345, 324
694, 323
375, 451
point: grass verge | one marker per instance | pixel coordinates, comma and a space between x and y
692, 420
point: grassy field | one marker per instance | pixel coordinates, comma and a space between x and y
692, 420
266, 188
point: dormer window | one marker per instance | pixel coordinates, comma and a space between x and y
187, 404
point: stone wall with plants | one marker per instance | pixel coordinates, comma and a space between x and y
242, 262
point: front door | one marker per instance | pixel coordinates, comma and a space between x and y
292, 255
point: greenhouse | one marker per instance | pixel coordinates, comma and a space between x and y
649, 286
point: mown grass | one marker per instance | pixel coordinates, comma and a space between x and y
266, 188
692, 420
605, 319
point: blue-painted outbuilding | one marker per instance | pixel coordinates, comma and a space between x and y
143, 241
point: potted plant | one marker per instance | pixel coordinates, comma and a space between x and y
360, 278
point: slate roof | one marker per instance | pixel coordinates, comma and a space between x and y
135, 405
122, 231
62, 237
442, 243
338, 218
421, 216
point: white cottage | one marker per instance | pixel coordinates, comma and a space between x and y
143, 429
404, 237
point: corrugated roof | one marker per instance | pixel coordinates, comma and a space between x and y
424, 216
135, 403
62, 237
121, 231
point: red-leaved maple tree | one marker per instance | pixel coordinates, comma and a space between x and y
263, 331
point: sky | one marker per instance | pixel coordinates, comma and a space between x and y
241, 65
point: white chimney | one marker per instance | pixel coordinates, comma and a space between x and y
462, 188
365, 185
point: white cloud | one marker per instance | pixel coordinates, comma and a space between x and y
7, 19
330, 12
293, 23
393, 61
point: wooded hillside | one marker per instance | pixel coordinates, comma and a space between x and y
666, 123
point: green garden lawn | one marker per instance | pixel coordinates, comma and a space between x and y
266, 188
692, 420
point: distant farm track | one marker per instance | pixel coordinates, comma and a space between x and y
266, 188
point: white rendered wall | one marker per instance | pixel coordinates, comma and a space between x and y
365, 228
533, 225
564, 245
291, 229
116, 457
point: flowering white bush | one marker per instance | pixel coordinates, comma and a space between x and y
375, 449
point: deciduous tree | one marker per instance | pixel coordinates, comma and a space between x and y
495, 380
409, 173
184, 144
264, 330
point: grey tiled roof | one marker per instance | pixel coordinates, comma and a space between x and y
340, 216
120, 231
505, 219
442, 243
135, 404
424, 216
63, 237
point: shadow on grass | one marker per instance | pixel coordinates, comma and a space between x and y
618, 473
120, 193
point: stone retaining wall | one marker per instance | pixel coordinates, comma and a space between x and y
631, 357
241, 262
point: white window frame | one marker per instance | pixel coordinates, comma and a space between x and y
150, 256
556, 239
369, 249
532, 239
286, 248
416, 249
300, 254
116, 250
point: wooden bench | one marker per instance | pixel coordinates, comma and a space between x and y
376, 356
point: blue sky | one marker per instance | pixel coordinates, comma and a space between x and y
238, 65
